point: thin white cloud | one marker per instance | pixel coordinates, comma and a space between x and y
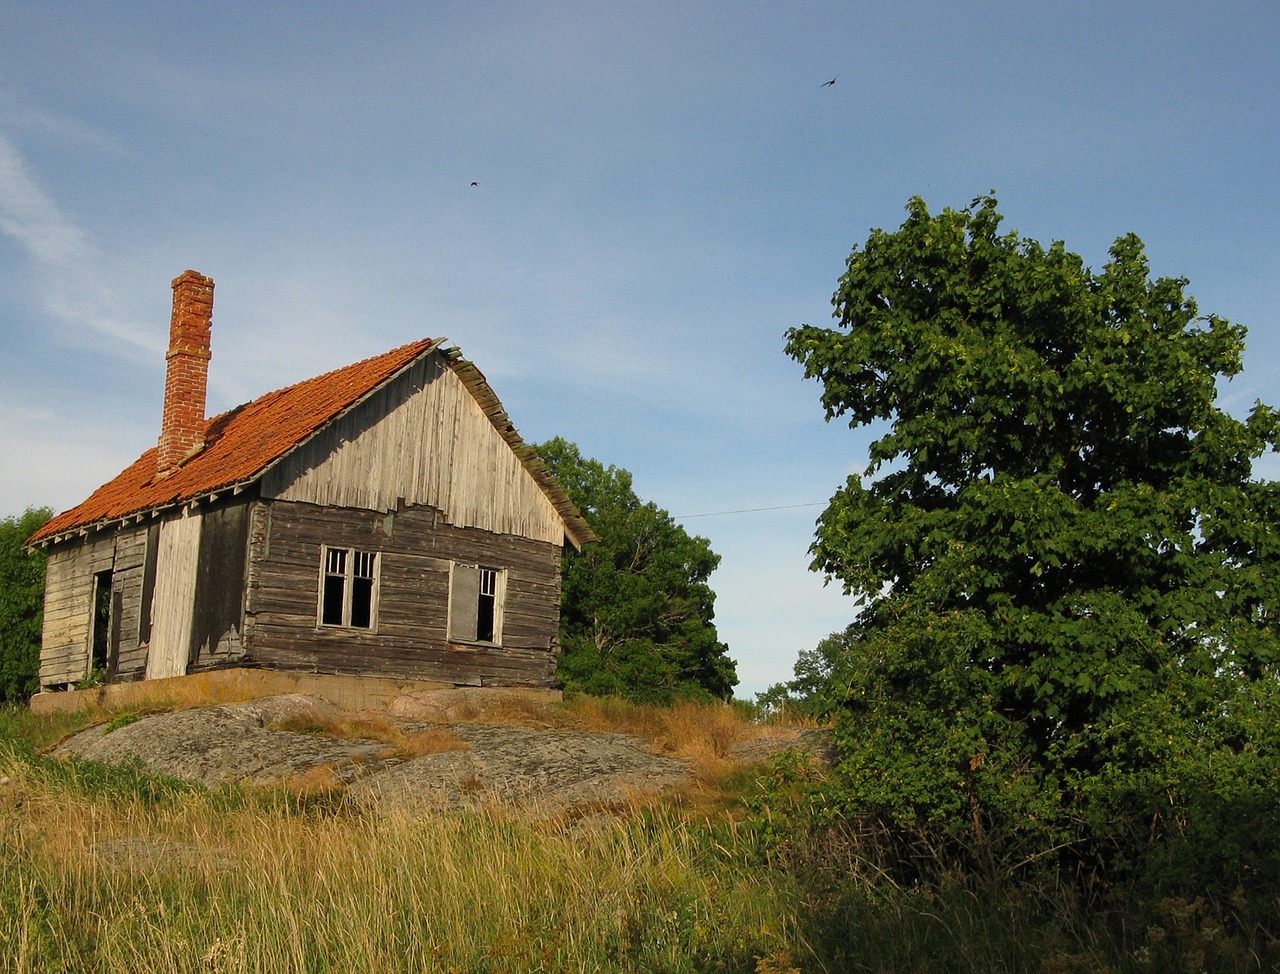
66, 264
20, 117
31, 218
58, 458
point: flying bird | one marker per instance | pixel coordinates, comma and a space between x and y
475, 184
828, 84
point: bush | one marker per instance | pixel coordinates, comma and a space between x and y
21, 605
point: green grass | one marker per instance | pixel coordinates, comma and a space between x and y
24, 729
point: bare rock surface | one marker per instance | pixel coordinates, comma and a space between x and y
213, 745
244, 743
462, 703
549, 769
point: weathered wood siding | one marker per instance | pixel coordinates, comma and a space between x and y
197, 563
68, 605
174, 601
424, 441
131, 554
218, 614
417, 546
259, 527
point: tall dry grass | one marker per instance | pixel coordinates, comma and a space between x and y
703, 733
698, 732
105, 879
376, 727
114, 870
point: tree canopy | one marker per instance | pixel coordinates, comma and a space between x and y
21, 605
1069, 573
636, 612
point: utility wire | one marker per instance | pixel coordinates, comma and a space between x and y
748, 510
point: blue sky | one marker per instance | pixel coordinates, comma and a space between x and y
663, 190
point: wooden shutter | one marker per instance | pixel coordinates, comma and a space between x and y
464, 596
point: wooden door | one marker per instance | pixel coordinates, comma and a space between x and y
174, 596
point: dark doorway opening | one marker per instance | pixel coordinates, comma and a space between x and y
102, 658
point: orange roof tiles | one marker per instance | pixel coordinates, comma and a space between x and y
239, 445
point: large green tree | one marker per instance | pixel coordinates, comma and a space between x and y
636, 613
1069, 573
21, 605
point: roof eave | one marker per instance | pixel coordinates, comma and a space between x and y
139, 515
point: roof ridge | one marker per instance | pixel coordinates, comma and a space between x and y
242, 443
137, 489
350, 366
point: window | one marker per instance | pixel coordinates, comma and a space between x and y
348, 588
475, 603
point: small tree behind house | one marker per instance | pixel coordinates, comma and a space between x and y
637, 612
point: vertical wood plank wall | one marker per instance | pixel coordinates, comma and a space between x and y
425, 440
173, 609
198, 598
218, 614
411, 641
131, 553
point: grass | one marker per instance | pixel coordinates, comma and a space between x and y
112, 869
178, 879
700, 733
371, 727
38, 732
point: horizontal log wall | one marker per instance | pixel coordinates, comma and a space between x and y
410, 641
423, 440
68, 605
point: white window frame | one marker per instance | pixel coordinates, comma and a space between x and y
369, 564
468, 584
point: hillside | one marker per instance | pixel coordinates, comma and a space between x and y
463, 754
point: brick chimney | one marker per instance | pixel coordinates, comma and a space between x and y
187, 376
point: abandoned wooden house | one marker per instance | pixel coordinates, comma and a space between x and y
384, 519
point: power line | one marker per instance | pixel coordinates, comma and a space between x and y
748, 510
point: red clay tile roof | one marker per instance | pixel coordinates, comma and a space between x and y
241, 443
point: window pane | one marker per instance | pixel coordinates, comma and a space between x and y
336, 561
361, 602
484, 618
363, 567
331, 613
